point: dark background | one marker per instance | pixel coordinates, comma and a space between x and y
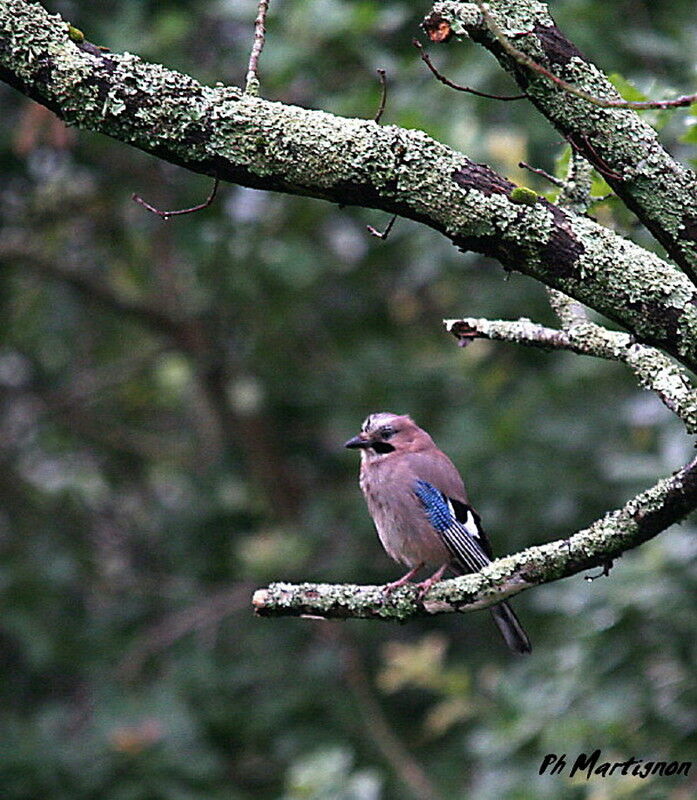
173, 402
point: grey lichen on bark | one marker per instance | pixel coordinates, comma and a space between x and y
640, 519
653, 369
254, 142
625, 149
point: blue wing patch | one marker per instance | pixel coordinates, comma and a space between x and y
461, 537
438, 510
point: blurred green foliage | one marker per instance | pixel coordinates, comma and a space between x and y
173, 401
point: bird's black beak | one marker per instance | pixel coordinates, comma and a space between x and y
357, 442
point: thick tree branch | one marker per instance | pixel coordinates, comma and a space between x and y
654, 370
642, 518
253, 142
620, 145
525, 60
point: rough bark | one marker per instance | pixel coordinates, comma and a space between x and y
661, 191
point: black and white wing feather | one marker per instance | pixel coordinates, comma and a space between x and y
458, 525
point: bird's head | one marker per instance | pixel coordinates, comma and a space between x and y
383, 433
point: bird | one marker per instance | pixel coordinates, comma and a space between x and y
419, 505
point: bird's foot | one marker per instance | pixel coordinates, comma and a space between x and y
424, 586
388, 588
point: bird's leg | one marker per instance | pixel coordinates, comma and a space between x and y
424, 586
390, 587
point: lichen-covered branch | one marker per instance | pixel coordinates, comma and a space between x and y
222, 132
620, 145
576, 187
568, 310
604, 102
646, 515
575, 196
654, 370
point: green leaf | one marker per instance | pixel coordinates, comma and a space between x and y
626, 89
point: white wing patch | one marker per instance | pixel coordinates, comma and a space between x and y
470, 525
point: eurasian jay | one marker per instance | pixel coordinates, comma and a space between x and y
418, 503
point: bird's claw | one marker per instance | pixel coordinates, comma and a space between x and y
425, 586
388, 588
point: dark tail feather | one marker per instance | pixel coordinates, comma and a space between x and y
510, 628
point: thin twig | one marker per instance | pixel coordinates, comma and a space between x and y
167, 214
384, 234
604, 572
439, 75
527, 61
252, 82
551, 178
383, 98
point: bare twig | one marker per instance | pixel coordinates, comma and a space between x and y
603, 573
384, 234
179, 212
551, 178
527, 61
383, 96
439, 75
252, 82
654, 370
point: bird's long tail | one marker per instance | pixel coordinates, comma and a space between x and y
511, 629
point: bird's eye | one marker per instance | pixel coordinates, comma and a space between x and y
387, 432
